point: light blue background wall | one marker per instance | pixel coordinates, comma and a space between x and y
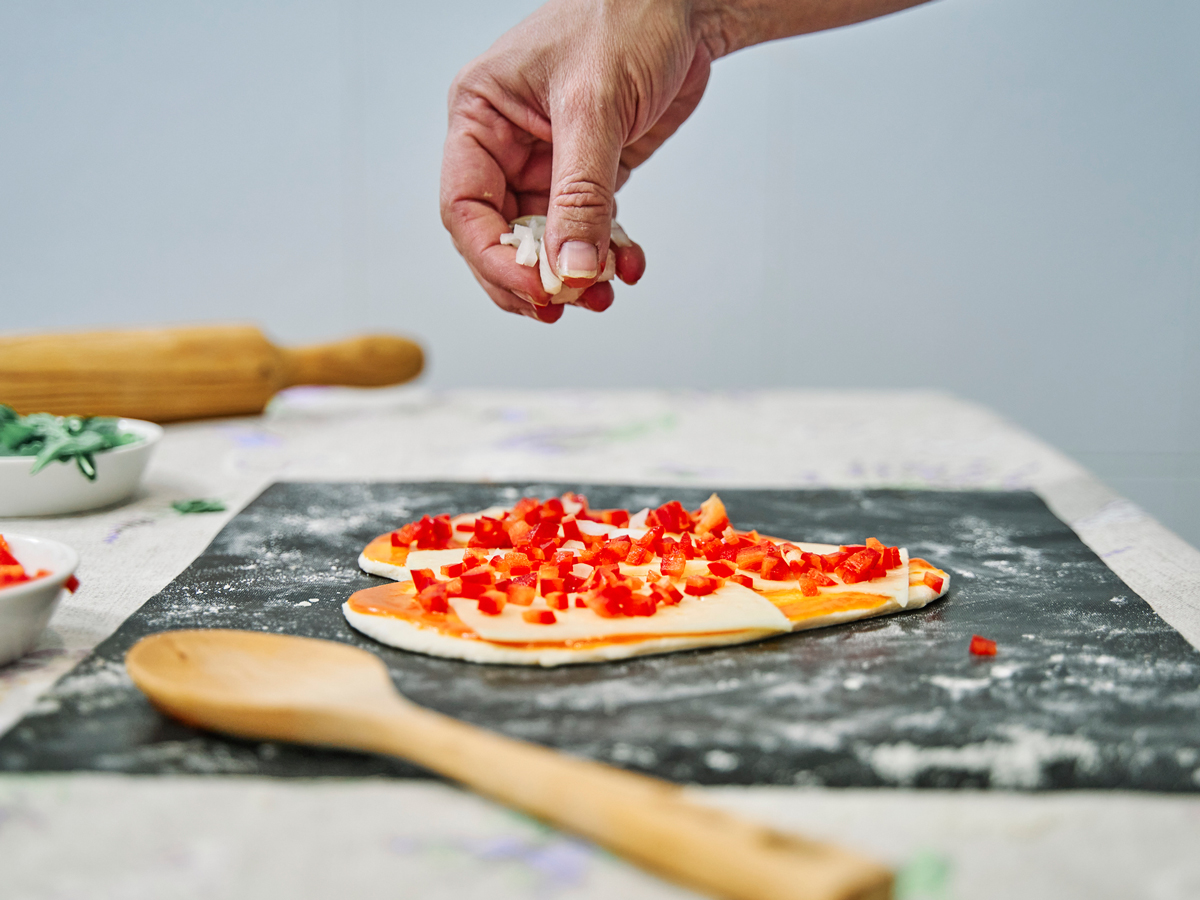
996, 197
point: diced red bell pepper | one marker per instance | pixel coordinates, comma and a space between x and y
600, 604
619, 591
673, 566
651, 539
545, 533
830, 561
981, 646
550, 585
750, 558
6, 557
671, 516
710, 517
858, 566
524, 506
529, 579
540, 616
775, 569
570, 529
12, 574
666, 593
71, 584
686, 545
519, 532
700, 585
433, 598
618, 548
934, 581
520, 594
729, 550
558, 600
639, 556
422, 578
640, 604
491, 603
489, 532
618, 518
465, 526
442, 532
453, 570
473, 590
743, 580
808, 585
478, 575
721, 568
553, 509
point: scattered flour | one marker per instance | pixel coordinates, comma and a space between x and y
1017, 763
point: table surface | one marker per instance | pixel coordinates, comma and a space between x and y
97, 835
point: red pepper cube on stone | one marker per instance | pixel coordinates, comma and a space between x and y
981, 646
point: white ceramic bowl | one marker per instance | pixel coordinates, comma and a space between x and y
26, 608
61, 488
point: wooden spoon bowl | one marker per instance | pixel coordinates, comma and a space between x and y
275, 687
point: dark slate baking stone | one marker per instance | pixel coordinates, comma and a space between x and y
1091, 689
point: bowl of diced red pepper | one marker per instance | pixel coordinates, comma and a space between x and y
34, 573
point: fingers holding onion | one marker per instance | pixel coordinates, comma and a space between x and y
625, 260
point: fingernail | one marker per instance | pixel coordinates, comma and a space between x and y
526, 297
577, 259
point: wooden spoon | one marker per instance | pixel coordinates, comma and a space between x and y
274, 687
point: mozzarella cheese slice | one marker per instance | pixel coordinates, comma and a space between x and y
431, 559
729, 608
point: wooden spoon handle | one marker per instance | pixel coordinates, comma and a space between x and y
644, 819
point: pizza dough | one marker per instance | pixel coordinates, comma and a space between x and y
610, 585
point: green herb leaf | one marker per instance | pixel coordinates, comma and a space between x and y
198, 506
50, 438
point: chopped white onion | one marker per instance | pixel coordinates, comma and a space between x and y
527, 253
528, 236
618, 236
550, 282
610, 267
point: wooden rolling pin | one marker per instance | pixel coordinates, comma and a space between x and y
168, 374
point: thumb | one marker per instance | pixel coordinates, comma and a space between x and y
587, 150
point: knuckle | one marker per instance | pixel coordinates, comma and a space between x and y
583, 199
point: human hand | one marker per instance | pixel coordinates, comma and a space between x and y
551, 121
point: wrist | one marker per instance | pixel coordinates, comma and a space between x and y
729, 25
725, 26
